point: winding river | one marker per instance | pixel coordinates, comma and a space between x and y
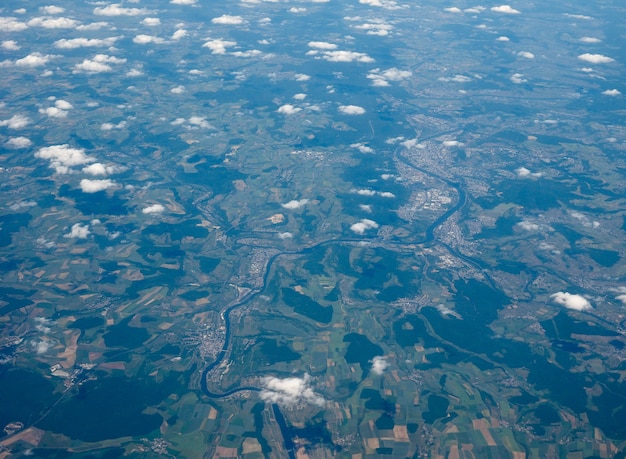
428, 237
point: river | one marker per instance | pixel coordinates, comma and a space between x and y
428, 237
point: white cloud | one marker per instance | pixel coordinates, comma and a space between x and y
526, 55
102, 169
518, 78
11, 24
89, 66
584, 220
379, 365
53, 112
367, 192
53, 23
290, 391
590, 40
63, 157
93, 186
116, 10
183, 2
362, 148
99, 63
227, 19
285, 235
475, 9
504, 9
178, 89
378, 82
151, 22
456, 78
134, 73
219, 46
622, 297
41, 346
16, 122
571, 301
95, 169
78, 232
393, 74
363, 225
10, 45
302, 77
611, 92
33, 60
200, 121
288, 109
193, 122
143, 39
412, 143
446, 311
452, 9
346, 56
578, 16
528, 226
180, 33
299, 96
249, 53
63, 104
351, 110
322, 45
380, 30
109, 59
595, 58
503, 38
452, 143
18, 142
294, 9
239, 76
43, 325
51, 9
93, 26
525, 172
386, 4
111, 126
74, 43
295, 204
153, 209
460, 78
